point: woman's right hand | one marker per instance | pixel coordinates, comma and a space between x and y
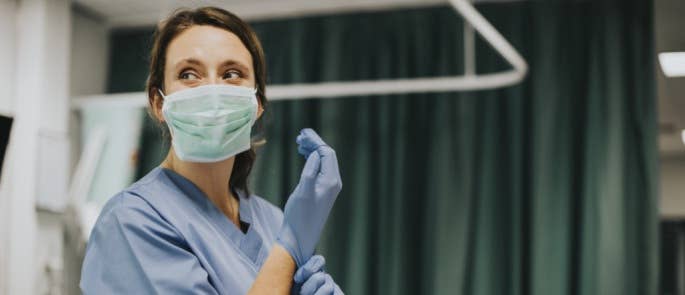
311, 279
310, 203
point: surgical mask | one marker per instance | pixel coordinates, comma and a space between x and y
210, 123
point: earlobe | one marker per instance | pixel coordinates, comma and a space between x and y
158, 113
157, 105
260, 109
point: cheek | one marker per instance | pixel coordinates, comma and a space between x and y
171, 86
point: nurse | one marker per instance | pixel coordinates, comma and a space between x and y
191, 226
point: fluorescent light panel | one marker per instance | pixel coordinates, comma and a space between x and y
672, 63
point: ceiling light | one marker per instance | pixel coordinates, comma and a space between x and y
672, 63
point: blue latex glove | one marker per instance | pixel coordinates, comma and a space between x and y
310, 279
310, 203
308, 141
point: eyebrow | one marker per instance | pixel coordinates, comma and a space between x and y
189, 61
226, 63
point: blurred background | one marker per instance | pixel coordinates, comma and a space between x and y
570, 181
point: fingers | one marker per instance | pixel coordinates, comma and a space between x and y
303, 151
310, 138
311, 167
308, 141
313, 283
312, 266
327, 288
329, 163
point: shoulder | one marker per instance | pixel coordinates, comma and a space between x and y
128, 225
131, 200
128, 211
158, 192
123, 203
128, 246
151, 184
146, 208
139, 209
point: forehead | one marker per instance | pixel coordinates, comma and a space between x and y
210, 45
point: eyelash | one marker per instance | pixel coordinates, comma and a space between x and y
240, 74
189, 72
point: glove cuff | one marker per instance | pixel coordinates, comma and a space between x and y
286, 238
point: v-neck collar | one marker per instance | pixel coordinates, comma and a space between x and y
249, 243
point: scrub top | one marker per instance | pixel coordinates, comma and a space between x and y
162, 235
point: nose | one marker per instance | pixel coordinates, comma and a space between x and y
213, 79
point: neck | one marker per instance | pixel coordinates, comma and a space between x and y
211, 178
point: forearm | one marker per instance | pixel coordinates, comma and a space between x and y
276, 275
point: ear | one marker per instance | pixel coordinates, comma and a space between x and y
260, 109
157, 102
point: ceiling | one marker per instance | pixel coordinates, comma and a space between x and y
669, 24
133, 13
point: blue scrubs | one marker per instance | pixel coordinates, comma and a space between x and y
162, 235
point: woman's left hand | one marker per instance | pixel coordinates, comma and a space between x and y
309, 205
310, 279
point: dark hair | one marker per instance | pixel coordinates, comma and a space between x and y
180, 21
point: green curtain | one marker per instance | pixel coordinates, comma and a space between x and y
547, 187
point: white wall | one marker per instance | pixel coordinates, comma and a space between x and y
48, 54
672, 202
89, 67
89, 53
7, 48
35, 36
7, 54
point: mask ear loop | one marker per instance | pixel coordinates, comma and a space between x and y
171, 130
163, 97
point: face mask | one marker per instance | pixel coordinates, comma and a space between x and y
210, 123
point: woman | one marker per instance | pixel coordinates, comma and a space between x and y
190, 225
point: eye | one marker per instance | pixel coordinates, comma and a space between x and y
188, 75
232, 75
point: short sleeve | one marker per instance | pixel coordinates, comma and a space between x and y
133, 250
